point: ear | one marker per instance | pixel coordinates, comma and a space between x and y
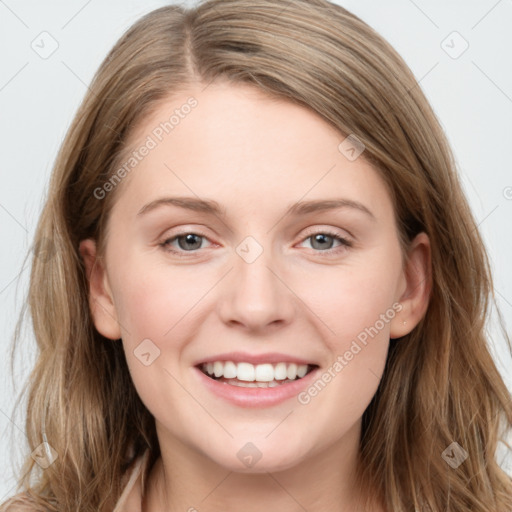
101, 302
416, 287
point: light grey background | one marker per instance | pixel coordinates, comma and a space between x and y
471, 94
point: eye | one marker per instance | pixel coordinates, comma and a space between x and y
323, 240
187, 242
191, 242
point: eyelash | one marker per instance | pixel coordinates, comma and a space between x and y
345, 243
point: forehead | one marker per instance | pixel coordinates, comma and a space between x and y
238, 144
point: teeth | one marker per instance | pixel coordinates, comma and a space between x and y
218, 369
302, 370
280, 372
245, 371
292, 371
241, 384
230, 370
261, 373
264, 373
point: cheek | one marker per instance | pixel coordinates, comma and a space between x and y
154, 307
358, 309
153, 298
352, 299
146, 309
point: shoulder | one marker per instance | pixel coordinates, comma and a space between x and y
131, 497
131, 494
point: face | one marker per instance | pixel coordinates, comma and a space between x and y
266, 278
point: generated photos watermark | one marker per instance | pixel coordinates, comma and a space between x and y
157, 135
343, 360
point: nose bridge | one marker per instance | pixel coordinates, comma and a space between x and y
256, 297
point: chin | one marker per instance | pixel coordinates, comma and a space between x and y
249, 460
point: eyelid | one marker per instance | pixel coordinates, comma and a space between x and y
162, 241
328, 230
345, 242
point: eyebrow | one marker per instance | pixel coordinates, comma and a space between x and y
213, 208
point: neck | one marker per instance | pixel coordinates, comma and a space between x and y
184, 480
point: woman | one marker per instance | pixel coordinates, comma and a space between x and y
261, 368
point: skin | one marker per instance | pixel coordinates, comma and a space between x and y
255, 156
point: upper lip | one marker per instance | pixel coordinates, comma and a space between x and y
244, 357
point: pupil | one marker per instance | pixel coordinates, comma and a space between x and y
189, 239
320, 238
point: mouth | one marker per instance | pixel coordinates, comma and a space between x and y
266, 375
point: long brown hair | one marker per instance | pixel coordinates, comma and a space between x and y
440, 384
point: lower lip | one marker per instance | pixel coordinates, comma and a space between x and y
257, 397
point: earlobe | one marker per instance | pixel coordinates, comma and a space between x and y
415, 298
101, 302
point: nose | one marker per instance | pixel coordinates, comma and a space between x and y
255, 296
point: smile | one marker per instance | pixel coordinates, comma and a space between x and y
265, 375
256, 385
